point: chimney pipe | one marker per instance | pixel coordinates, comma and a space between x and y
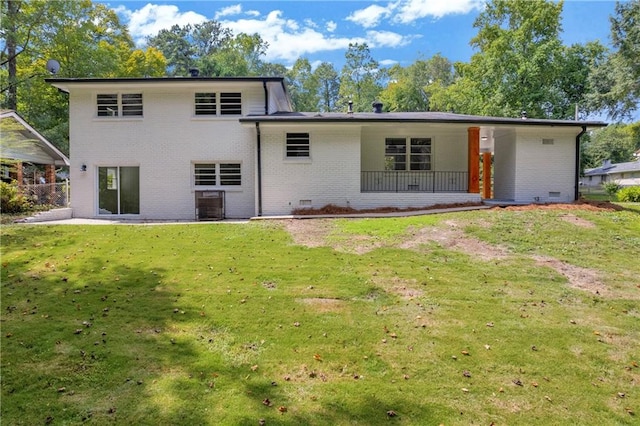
377, 107
350, 108
194, 72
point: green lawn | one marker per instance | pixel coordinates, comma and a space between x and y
496, 316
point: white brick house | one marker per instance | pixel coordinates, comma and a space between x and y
183, 148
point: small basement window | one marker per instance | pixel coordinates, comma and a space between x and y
119, 105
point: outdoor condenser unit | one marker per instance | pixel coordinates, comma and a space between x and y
210, 205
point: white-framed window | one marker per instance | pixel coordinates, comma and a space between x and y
215, 104
297, 145
205, 103
407, 154
217, 174
119, 104
118, 190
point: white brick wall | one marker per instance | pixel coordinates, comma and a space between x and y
332, 174
545, 172
164, 144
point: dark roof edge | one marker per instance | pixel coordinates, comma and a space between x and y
156, 79
181, 79
459, 120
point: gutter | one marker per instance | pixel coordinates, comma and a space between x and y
259, 166
576, 194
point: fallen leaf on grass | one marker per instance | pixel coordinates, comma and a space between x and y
465, 353
391, 413
254, 367
266, 402
317, 357
517, 382
282, 409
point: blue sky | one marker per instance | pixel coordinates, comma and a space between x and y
397, 31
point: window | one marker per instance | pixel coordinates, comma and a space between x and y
420, 154
205, 104
119, 105
230, 103
211, 103
119, 190
395, 154
205, 174
214, 174
418, 150
297, 145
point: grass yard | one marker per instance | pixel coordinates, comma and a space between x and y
501, 316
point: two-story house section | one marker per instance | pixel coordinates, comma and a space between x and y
166, 148
186, 148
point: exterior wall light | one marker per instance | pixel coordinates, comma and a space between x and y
83, 168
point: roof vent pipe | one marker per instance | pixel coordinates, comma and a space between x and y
350, 108
377, 107
194, 72
523, 115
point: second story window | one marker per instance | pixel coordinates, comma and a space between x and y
206, 104
230, 104
215, 104
119, 105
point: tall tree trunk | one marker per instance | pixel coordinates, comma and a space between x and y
12, 12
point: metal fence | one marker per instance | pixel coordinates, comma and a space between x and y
50, 194
413, 181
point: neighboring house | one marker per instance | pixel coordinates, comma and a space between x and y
198, 147
625, 174
20, 143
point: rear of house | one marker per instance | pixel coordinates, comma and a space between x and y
212, 148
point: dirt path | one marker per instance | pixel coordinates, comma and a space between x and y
315, 233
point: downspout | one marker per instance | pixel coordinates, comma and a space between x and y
576, 194
259, 148
259, 161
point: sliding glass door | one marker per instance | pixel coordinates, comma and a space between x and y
119, 190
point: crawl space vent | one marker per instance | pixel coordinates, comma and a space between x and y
547, 141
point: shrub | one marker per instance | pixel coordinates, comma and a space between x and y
11, 199
611, 188
630, 194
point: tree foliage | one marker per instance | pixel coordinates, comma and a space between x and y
360, 79
408, 88
616, 82
616, 143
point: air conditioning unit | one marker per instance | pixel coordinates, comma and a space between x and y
209, 205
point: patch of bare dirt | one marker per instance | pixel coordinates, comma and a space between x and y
321, 304
309, 233
398, 286
578, 277
454, 238
332, 209
578, 221
577, 205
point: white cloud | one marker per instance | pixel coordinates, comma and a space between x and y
386, 39
331, 26
370, 16
228, 11
152, 18
287, 39
388, 62
412, 10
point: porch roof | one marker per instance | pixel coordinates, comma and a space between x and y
412, 117
22, 142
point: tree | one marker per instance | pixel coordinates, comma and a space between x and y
408, 88
328, 87
360, 79
517, 66
617, 80
303, 86
616, 143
